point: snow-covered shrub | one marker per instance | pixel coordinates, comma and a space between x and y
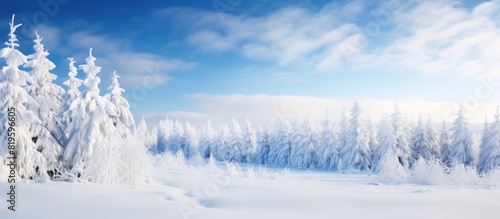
233, 169
250, 171
169, 160
462, 175
391, 171
427, 173
263, 173
138, 167
491, 179
282, 175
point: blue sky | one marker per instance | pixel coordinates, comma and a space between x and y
261, 59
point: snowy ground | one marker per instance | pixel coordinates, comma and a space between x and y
227, 192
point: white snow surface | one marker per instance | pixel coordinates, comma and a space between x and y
228, 191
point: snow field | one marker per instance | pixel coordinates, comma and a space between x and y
228, 191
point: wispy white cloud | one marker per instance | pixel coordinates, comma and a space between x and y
135, 68
288, 35
428, 37
441, 37
51, 36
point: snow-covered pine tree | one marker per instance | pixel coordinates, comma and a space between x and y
309, 146
387, 149
433, 140
235, 142
402, 139
14, 98
372, 134
296, 144
177, 138
485, 136
165, 132
489, 154
445, 144
73, 93
92, 150
190, 139
329, 154
264, 145
145, 135
356, 153
141, 132
461, 143
343, 128
123, 114
133, 163
47, 135
222, 150
207, 140
280, 152
420, 142
249, 143
152, 139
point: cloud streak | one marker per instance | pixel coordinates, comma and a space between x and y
427, 37
115, 54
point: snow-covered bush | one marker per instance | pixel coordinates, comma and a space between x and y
427, 173
391, 171
169, 160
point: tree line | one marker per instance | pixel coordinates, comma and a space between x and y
354, 143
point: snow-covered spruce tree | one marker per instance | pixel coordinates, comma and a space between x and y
207, 140
133, 163
165, 130
190, 139
344, 127
387, 148
402, 139
73, 93
92, 151
308, 147
485, 136
445, 145
420, 142
141, 133
280, 152
222, 150
372, 134
47, 135
14, 98
123, 115
177, 140
433, 140
235, 142
356, 153
151, 140
264, 146
489, 154
249, 143
145, 135
329, 154
461, 143
296, 150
